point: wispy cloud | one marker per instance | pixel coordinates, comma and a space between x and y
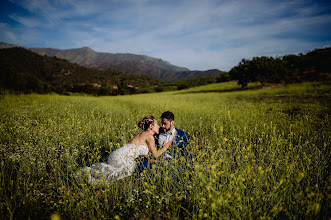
194, 34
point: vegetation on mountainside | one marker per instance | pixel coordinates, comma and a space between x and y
24, 71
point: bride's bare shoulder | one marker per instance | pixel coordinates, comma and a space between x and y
141, 138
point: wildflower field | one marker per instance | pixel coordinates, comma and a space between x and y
259, 153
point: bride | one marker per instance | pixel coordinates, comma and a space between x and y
121, 162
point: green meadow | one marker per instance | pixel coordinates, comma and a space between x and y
259, 153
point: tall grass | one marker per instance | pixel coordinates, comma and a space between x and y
258, 153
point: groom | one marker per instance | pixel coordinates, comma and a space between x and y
167, 133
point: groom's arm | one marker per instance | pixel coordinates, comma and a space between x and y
185, 139
182, 140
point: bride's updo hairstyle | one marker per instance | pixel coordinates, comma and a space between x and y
144, 124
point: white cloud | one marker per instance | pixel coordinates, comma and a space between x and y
9, 36
28, 22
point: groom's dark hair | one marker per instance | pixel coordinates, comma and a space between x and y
168, 115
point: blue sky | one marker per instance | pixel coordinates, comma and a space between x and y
196, 34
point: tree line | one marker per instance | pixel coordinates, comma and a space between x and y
313, 66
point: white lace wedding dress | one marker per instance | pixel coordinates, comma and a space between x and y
121, 163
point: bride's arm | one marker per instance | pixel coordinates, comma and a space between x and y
151, 145
160, 162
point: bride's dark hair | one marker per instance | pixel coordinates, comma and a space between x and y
144, 124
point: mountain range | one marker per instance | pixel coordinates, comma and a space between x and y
130, 64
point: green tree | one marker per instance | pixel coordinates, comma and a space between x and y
259, 69
241, 72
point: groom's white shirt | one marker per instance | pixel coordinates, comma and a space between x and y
166, 137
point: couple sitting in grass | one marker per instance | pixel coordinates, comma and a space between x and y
153, 143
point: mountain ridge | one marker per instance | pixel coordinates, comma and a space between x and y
131, 64
103, 57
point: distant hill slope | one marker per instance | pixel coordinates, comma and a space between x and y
128, 63
4, 45
24, 70
131, 64
86, 56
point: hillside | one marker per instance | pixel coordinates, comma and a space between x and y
26, 71
128, 63
86, 56
131, 64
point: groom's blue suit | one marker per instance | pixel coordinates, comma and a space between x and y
177, 150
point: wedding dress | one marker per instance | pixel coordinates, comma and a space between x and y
121, 163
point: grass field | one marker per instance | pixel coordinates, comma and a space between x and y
259, 153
